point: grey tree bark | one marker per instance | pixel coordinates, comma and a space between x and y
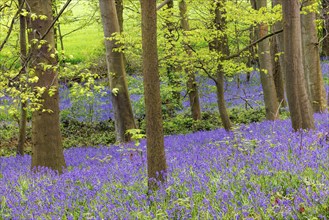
278, 64
266, 69
119, 8
123, 114
311, 59
298, 101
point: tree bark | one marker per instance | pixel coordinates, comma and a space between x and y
124, 119
192, 86
311, 58
220, 44
173, 77
47, 148
278, 64
266, 69
23, 54
156, 160
325, 42
277, 73
119, 8
252, 58
298, 101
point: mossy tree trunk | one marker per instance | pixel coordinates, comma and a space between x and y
325, 14
23, 54
220, 44
172, 73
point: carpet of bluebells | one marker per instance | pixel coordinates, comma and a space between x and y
261, 170
257, 171
246, 94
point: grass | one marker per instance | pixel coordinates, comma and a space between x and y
86, 42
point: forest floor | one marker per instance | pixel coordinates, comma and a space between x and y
258, 171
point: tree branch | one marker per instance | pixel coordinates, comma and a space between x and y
201, 65
12, 25
56, 18
162, 4
90, 20
252, 44
28, 58
5, 6
206, 71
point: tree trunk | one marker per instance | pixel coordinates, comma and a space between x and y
325, 42
277, 73
252, 59
192, 87
266, 69
156, 160
220, 44
124, 119
23, 53
119, 8
221, 99
47, 148
311, 58
278, 68
173, 77
298, 101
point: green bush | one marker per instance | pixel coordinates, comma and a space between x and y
76, 133
246, 116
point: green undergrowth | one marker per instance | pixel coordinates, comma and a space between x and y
76, 133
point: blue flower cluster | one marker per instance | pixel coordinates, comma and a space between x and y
258, 171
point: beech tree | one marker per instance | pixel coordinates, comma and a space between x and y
311, 58
156, 160
124, 119
277, 59
47, 148
119, 9
192, 87
23, 56
266, 69
325, 16
298, 101
220, 45
169, 62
